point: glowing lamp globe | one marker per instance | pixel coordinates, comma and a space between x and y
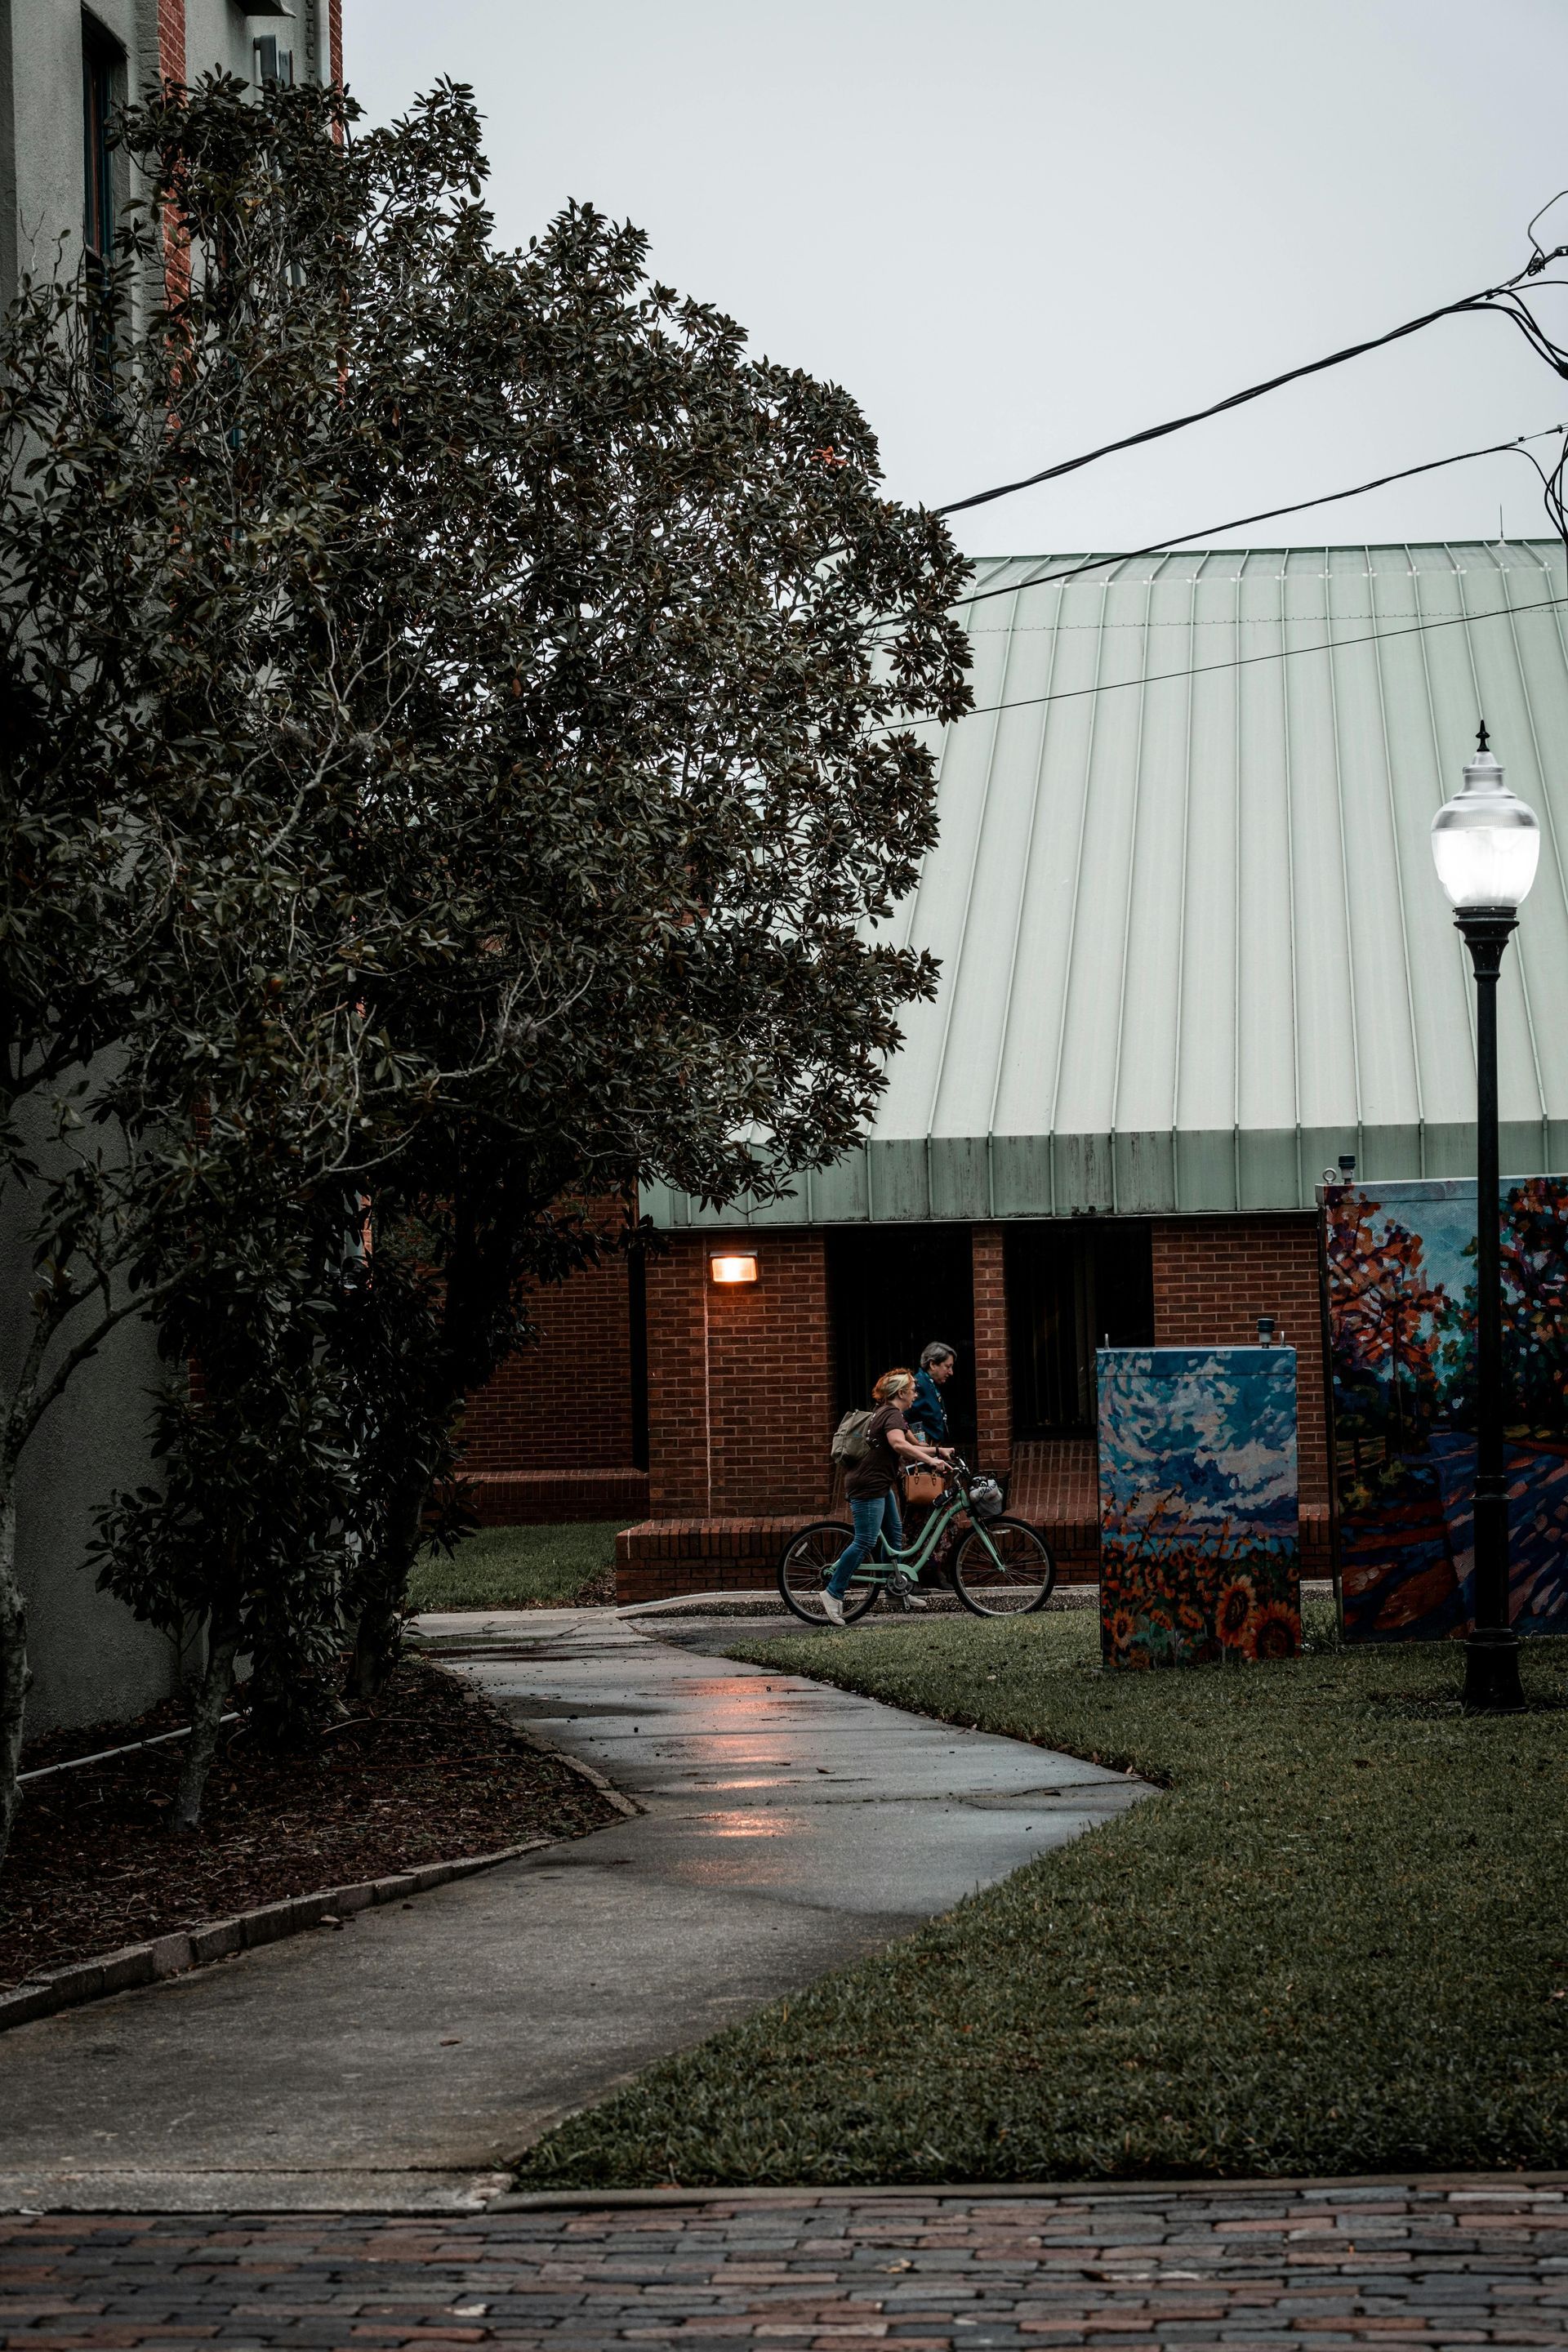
1485, 841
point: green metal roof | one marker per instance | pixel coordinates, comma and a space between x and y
1192, 946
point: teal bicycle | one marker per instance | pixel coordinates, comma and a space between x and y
998, 1568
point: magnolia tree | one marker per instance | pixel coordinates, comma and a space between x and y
460, 769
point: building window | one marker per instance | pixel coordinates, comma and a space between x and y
1073, 1286
100, 70
273, 62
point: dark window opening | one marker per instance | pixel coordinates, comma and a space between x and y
1072, 1286
100, 68
891, 1289
273, 62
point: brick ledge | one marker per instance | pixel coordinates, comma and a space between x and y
528, 1498
661, 1560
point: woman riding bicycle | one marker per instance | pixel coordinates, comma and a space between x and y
870, 1484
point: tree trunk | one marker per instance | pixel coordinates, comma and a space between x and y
209, 1697
14, 1675
378, 1640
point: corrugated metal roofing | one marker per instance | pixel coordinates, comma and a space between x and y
1192, 946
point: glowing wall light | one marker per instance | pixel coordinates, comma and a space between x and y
733, 1269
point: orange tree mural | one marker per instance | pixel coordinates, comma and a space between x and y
1534, 1334
1400, 1295
1387, 1380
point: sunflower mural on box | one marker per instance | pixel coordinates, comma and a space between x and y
1198, 1555
1400, 1292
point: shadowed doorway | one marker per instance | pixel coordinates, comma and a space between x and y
891, 1289
1073, 1286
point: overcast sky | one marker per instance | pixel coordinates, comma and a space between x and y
1017, 228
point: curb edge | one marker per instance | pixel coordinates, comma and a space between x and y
525, 2200
173, 1955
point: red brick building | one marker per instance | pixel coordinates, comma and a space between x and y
1193, 951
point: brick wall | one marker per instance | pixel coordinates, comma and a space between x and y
740, 1386
677, 1384
566, 1402
1213, 1277
172, 39
171, 23
993, 1369
740, 1379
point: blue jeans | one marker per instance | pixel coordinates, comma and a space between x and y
872, 1514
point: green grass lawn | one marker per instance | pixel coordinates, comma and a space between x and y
521, 1568
1336, 1941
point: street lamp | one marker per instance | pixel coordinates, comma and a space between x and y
1485, 844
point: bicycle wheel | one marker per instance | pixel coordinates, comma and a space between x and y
806, 1567
1014, 1583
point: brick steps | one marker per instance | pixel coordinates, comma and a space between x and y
1054, 1487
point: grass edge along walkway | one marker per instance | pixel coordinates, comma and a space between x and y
1336, 1943
569, 1564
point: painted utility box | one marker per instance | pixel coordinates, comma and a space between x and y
1198, 1533
1399, 1289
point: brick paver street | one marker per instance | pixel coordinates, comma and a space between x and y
1434, 2264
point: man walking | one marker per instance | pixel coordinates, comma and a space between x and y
928, 1416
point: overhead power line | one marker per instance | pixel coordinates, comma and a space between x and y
1503, 298
1243, 661
1269, 514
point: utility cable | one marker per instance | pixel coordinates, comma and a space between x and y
1242, 661
1504, 297
1269, 514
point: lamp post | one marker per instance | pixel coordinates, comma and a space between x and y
1485, 844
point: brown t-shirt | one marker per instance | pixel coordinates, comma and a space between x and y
876, 1473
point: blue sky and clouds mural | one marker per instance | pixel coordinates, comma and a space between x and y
1198, 1505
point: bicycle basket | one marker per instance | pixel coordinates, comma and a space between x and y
984, 1500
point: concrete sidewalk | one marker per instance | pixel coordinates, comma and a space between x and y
787, 1829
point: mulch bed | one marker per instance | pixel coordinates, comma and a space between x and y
435, 1772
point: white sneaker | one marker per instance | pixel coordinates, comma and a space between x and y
833, 1608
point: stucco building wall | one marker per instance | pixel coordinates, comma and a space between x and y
91, 1661
41, 95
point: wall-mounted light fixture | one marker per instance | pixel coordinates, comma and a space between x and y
742, 1268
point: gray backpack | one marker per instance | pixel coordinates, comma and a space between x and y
849, 1441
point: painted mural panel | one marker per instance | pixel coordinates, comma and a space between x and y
1399, 1289
1198, 1555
